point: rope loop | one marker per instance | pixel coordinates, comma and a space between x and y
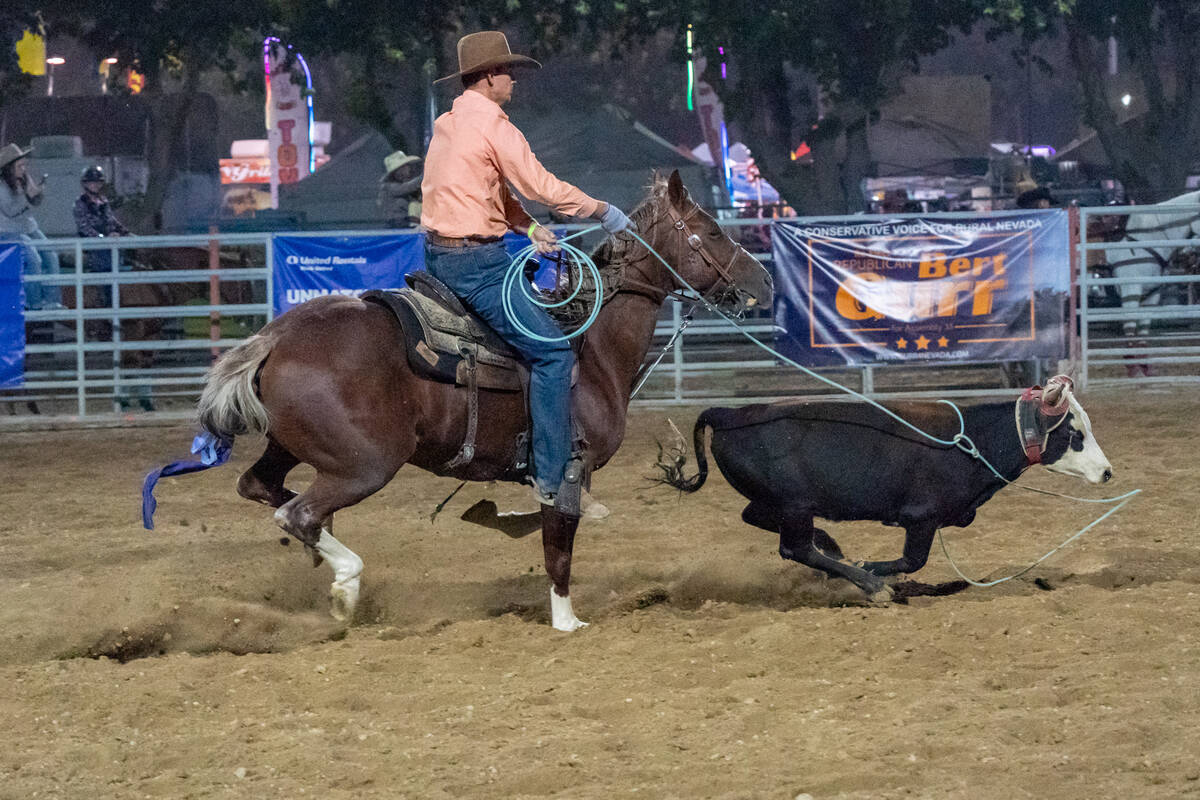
578, 260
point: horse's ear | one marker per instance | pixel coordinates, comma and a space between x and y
676, 191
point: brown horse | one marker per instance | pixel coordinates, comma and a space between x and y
329, 386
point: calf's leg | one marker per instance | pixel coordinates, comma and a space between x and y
765, 517
918, 537
796, 543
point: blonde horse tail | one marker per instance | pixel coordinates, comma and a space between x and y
229, 405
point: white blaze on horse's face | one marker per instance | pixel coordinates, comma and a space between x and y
1083, 457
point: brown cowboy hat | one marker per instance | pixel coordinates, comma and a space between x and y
10, 153
485, 50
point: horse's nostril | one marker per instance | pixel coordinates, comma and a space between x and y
1107, 475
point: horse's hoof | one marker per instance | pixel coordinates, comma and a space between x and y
570, 625
592, 508
343, 599
882, 597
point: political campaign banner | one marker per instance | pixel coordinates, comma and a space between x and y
12, 317
306, 267
888, 290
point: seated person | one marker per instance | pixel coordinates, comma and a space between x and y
94, 218
19, 193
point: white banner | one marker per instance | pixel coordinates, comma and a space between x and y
288, 115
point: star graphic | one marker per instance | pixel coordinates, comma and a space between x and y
922, 342
943, 342
901, 343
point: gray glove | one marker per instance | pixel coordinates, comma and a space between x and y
614, 220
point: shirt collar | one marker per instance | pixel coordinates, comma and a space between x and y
471, 100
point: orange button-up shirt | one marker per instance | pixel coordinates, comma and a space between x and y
474, 154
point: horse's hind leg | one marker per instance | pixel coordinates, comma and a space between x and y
308, 516
263, 482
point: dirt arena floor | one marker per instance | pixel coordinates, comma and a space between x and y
711, 667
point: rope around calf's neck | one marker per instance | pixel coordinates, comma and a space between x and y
960, 440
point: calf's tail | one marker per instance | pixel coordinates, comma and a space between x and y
673, 461
229, 404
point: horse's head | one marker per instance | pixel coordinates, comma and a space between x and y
1068, 444
699, 251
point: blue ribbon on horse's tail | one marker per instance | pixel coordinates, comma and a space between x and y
213, 451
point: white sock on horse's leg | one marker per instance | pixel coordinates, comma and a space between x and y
562, 616
347, 567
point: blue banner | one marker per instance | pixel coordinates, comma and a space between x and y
977, 288
307, 267
12, 316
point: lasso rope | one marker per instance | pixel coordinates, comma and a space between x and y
513, 278
960, 440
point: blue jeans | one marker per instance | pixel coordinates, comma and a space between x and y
39, 295
476, 275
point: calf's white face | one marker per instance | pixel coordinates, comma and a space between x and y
1072, 449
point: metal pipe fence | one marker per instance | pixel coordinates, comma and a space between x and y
140, 334
1130, 336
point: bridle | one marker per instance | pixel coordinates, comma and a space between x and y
718, 291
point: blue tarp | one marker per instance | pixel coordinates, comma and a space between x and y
12, 316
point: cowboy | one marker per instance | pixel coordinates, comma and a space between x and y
474, 156
19, 193
400, 190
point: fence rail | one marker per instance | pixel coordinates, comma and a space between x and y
142, 338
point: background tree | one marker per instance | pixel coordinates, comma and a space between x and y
172, 43
1154, 144
16, 17
395, 49
854, 51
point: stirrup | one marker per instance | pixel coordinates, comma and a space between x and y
567, 500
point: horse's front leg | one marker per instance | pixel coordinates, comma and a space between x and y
558, 541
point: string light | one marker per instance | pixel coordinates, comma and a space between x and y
691, 70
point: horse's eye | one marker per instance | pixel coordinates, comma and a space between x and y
716, 234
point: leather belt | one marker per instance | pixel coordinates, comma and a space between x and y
465, 241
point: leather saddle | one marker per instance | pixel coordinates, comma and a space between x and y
445, 342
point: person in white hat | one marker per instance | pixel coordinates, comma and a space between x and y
400, 190
19, 193
474, 156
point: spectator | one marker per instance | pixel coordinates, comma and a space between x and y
400, 190
94, 218
19, 193
1038, 197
